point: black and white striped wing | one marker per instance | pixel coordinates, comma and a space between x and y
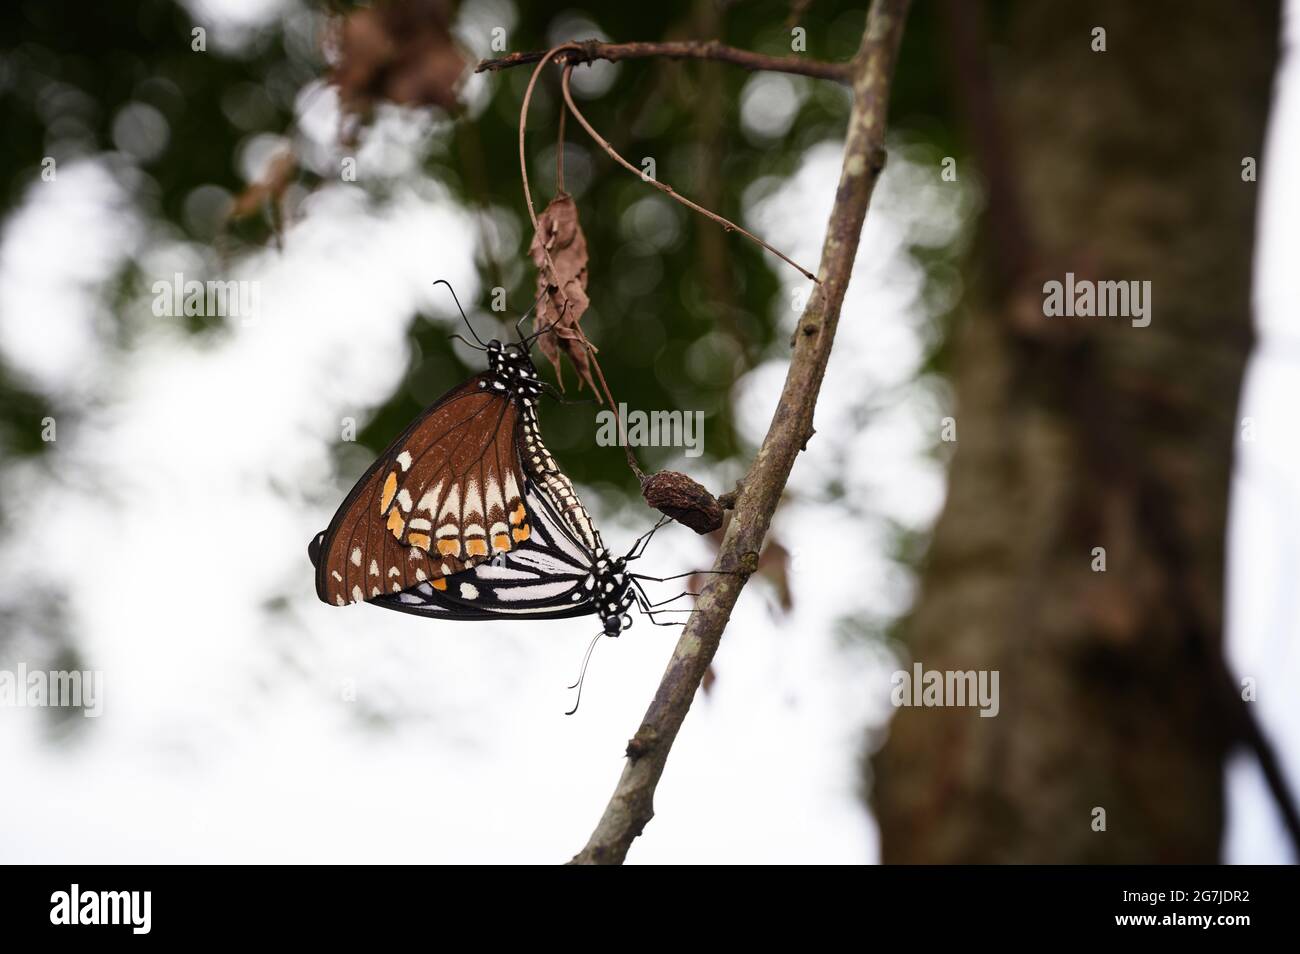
546, 577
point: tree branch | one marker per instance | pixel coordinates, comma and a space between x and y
590, 50
632, 805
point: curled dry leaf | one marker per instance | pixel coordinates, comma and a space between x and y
683, 499
774, 566
400, 51
563, 294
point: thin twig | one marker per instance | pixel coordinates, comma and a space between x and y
632, 805
666, 188
523, 158
528, 195
591, 349
590, 50
1252, 734
559, 146
532, 215
618, 420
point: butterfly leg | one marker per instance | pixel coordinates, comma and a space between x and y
647, 608
672, 599
550, 391
643, 541
524, 317
651, 616
528, 342
665, 579
680, 622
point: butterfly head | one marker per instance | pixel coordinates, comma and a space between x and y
614, 595
512, 371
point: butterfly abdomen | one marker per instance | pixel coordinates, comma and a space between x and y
546, 473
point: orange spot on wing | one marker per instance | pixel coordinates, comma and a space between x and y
449, 547
518, 515
476, 547
440, 583
521, 533
420, 540
390, 491
501, 541
396, 523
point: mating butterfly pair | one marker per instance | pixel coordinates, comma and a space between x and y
467, 516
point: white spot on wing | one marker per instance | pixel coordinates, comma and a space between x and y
542, 591
451, 508
430, 499
492, 496
473, 500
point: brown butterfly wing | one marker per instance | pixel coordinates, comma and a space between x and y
445, 496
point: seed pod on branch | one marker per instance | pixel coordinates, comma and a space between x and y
559, 250
677, 496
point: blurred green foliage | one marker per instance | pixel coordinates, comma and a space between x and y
67, 70
679, 309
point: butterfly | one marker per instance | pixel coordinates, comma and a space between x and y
467, 516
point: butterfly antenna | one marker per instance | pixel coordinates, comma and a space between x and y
443, 281
459, 337
582, 673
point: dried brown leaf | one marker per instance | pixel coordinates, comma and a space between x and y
399, 51
774, 566
563, 300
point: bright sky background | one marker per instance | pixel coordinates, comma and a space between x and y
196, 474
1264, 531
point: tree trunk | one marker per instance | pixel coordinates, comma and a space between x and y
1082, 433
